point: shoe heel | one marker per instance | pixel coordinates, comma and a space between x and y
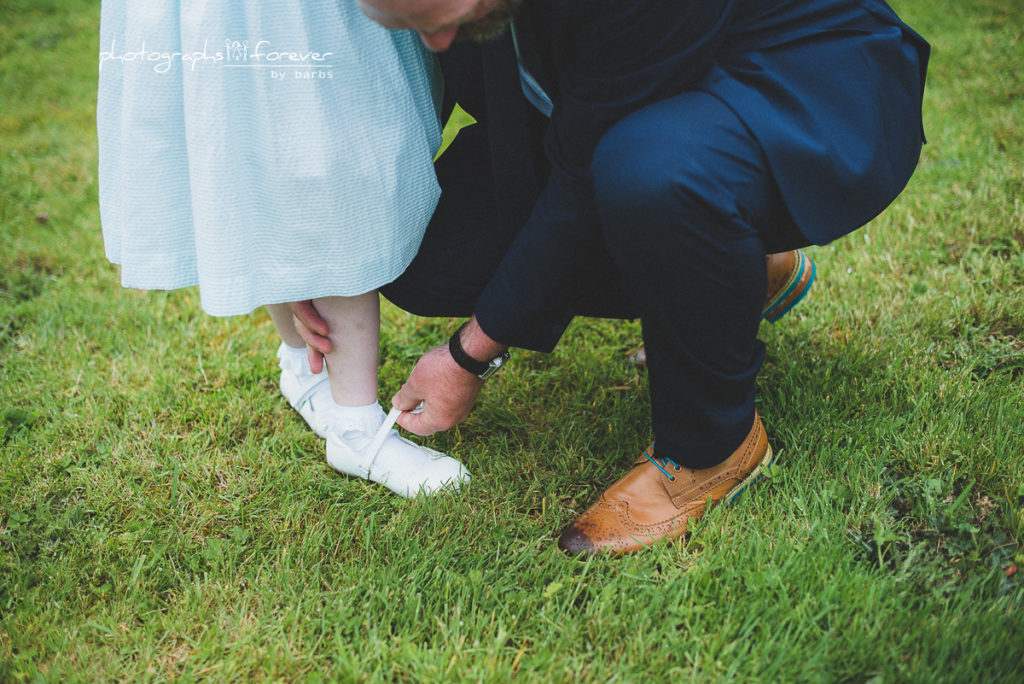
791, 295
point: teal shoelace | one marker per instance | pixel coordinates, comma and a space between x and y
661, 466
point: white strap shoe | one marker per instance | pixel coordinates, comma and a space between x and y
308, 393
406, 468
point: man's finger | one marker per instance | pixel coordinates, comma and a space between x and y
405, 400
309, 316
317, 342
316, 360
416, 424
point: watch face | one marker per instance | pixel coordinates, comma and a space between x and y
496, 364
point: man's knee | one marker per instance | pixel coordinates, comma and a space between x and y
651, 164
687, 161
632, 170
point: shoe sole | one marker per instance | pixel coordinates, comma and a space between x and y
796, 289
751, 479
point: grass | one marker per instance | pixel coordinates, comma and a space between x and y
164, 515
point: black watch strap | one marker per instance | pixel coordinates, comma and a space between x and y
481, 369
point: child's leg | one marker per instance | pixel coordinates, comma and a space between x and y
405, 468
309, 393
351, 378
281, 315
355, 337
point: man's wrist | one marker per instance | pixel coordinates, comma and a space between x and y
477, 344
492, 355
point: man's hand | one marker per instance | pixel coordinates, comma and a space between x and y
445, 388
313, 329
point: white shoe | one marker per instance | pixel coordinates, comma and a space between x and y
383, 456
308, 393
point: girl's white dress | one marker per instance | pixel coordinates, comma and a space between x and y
266, 151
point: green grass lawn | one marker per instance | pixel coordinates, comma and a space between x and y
165, 515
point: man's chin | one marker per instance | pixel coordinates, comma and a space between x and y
481, 36
492, 25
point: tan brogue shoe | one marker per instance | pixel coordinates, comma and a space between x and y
790, 276
657, 499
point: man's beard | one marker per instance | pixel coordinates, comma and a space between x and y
492, 24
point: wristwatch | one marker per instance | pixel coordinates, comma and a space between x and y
481, 369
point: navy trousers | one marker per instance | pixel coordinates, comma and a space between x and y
687, 211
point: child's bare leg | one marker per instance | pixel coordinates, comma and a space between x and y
281, 315
355, 337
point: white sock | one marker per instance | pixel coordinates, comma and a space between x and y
363, 419
294, 359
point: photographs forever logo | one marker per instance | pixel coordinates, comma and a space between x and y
238, 54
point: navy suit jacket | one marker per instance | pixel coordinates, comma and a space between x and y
831, 90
